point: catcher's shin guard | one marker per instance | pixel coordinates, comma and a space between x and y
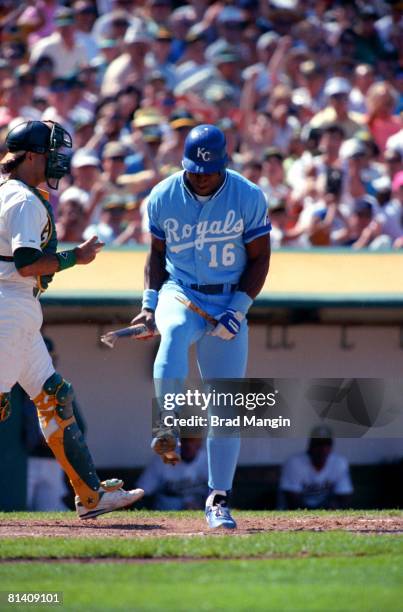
5, 406
58, 425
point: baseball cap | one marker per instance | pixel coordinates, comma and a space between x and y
273, 152
391, 155
337, 85
137, 34
218, 92
64, 17
364, 206
352, 148
108, 43
156, 75
196, 32
383, 184
182, 118
267, 39
144, 117
114, 202
397, 181
152, 133
114, 149
61, 84
226, 57
84, 158
231, 14
76, 194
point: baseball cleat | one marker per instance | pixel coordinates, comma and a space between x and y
109, 501
166, 443
218, 513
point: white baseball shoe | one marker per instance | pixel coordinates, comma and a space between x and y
115, 498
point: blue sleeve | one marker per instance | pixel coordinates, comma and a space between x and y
257, 221
153, 209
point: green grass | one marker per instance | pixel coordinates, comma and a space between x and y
275, 544
139, 514
334, 571
282, 584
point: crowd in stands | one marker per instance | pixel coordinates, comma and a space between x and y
308, 93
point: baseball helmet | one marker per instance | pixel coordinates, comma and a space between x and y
42, 137
205, 150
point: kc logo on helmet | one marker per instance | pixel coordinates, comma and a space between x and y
203, 153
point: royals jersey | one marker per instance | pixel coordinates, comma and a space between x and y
206, 241
24, 222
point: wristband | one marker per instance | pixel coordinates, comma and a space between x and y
150, 299
241, 302
66, 259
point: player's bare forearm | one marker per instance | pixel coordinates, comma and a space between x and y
154, 271
47, 263
154, 277
257, 267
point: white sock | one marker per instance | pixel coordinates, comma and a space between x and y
210, 499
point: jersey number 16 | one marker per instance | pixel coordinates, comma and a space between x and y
227, 255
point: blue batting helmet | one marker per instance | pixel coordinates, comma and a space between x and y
205, 150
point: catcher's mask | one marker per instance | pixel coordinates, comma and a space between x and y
58, 164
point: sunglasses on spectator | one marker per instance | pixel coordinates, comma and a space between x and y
118, 158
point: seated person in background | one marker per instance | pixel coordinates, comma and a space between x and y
183, 487
317, 478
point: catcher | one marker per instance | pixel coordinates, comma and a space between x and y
28, 261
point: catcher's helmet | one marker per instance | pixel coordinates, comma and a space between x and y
205, 150
29, 136
42, 137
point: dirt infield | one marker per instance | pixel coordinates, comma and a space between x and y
129, 527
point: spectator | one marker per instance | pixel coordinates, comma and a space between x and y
180, 123
85, 14
272, 180
393, 162
110, 224
182, 488
336, 91
61, 103
159, 56
63, 48
364, 76
317, 478
85, 171
390, 219
278, 75
382, 123
71, 216
129, 67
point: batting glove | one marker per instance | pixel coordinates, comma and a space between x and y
229, 324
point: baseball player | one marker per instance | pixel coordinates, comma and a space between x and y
210, 245
28, 261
